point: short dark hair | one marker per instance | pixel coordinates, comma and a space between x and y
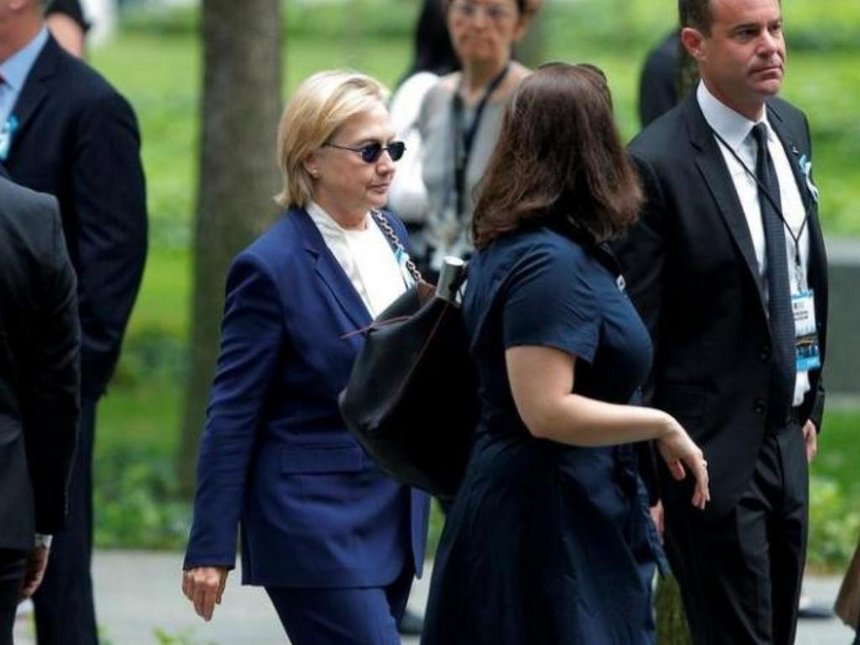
522, 6
558, 159
698, 14
695, 14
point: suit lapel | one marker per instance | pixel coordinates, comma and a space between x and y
329, 271
36, 88
794, 149
709, 160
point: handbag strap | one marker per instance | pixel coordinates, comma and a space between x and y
392, 236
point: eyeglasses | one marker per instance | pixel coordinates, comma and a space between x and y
495, 12
373, 151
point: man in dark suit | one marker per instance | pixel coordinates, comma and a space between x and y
39, 345
727, 267
67, 132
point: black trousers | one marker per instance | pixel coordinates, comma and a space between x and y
65, 610
740, 574
13, 565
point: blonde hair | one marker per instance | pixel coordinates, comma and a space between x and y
320, 105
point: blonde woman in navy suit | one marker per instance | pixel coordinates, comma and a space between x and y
334, 541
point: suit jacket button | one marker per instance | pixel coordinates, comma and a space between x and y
765, 353
759, 406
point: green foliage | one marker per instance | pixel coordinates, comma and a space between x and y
672, 626
184, 637
136, 501
835, 492
834, 525
625, 25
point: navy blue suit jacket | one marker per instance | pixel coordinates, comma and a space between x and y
77, 139
275, 455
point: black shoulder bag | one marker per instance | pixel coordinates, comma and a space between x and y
412, 397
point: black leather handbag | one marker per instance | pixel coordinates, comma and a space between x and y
411, 399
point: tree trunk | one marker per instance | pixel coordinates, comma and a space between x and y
672, 626
237, 177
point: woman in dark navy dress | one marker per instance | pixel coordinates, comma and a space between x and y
549, 540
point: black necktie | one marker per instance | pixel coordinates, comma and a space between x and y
779, 291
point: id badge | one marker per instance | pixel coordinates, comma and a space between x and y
807, 354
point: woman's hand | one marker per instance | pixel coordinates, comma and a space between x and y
678, 451
204, 586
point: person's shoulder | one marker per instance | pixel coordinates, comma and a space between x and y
539, 246
784, 110
21, 202
279, 235
444, 87
517, 71
27, 215
663, 136
515, 75
76, 81
418, 84
396, 223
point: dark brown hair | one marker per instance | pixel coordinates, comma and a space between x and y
558, 159
695, 14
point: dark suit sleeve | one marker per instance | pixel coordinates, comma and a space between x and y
51, 409
110, 199
642, 254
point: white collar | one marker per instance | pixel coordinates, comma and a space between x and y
732, 126
326, 222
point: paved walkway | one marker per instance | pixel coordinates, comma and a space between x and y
139, 603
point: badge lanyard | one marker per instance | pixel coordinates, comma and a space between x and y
800, 274
464, 137
806, 347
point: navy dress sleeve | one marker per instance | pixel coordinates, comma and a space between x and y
550, 303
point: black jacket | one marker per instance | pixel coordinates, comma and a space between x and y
39, 372
77, 139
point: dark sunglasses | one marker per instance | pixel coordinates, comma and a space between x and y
373, 151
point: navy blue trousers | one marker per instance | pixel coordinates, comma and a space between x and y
360, 616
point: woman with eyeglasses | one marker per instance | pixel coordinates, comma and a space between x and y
333, 540
460, 117
549, 540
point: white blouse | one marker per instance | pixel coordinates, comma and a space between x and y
366, 258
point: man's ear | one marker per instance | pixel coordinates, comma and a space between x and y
693, 41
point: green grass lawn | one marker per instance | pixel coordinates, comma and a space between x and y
160, 74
